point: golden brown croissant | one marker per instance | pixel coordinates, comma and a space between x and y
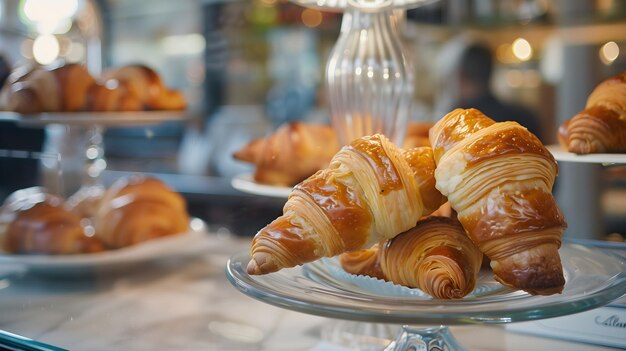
47, 228
498, 177
417, 134
601, 126
47, 89
137, 209
145, 84
293, 153
435, 256
371, 191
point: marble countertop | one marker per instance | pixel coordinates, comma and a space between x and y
188, 304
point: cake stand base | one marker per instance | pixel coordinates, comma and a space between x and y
425, 339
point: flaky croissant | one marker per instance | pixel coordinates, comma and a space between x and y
498, 177
137, 209
371, 191
47, 228
435, 256
601, 126
291, 154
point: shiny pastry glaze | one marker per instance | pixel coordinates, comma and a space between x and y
372, 149
595, 129
454, 127
601, 126
505, 214
422, 163
290, 237
47, 228
343, 207
510, 141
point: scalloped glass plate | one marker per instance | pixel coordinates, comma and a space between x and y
594, 278
131, 118
604, 159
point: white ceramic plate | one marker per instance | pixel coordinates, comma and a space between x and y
95, 118
245, 183
194, 242
605, 159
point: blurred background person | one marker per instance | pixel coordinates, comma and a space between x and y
475, 73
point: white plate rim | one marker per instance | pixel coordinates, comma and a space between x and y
605, 159
246, 184
191, 242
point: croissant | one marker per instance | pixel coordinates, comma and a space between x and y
435, 256
146, 85
293, 153
47, 228
112, 96
137, 209
498, 177
47, 89
417, 134
601, 126
371, 191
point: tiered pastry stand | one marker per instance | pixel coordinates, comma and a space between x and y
603, 159
81, 133
594, 278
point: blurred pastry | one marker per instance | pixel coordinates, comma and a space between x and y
112, 96
601, 126
371, 191
47, 228
291, 154
70, 88
47, 89
137, 209
417, 134
146, 85
498, 177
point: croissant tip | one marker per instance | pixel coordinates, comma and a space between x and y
260, 263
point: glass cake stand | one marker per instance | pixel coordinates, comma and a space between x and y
594, 277
369, 75
73, 157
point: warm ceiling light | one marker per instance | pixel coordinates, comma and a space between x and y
46, 49
522, 49
609, 52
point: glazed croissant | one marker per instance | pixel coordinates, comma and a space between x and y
51, 89
47, 228
371, 191
146, 85
435, 256
498, 177
70, 88
293, 153
601, 126
137, 209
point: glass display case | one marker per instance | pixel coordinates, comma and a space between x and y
257, 72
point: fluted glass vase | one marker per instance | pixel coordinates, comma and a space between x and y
370, 81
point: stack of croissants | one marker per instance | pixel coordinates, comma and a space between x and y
132, 210
70, 88
423, 215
